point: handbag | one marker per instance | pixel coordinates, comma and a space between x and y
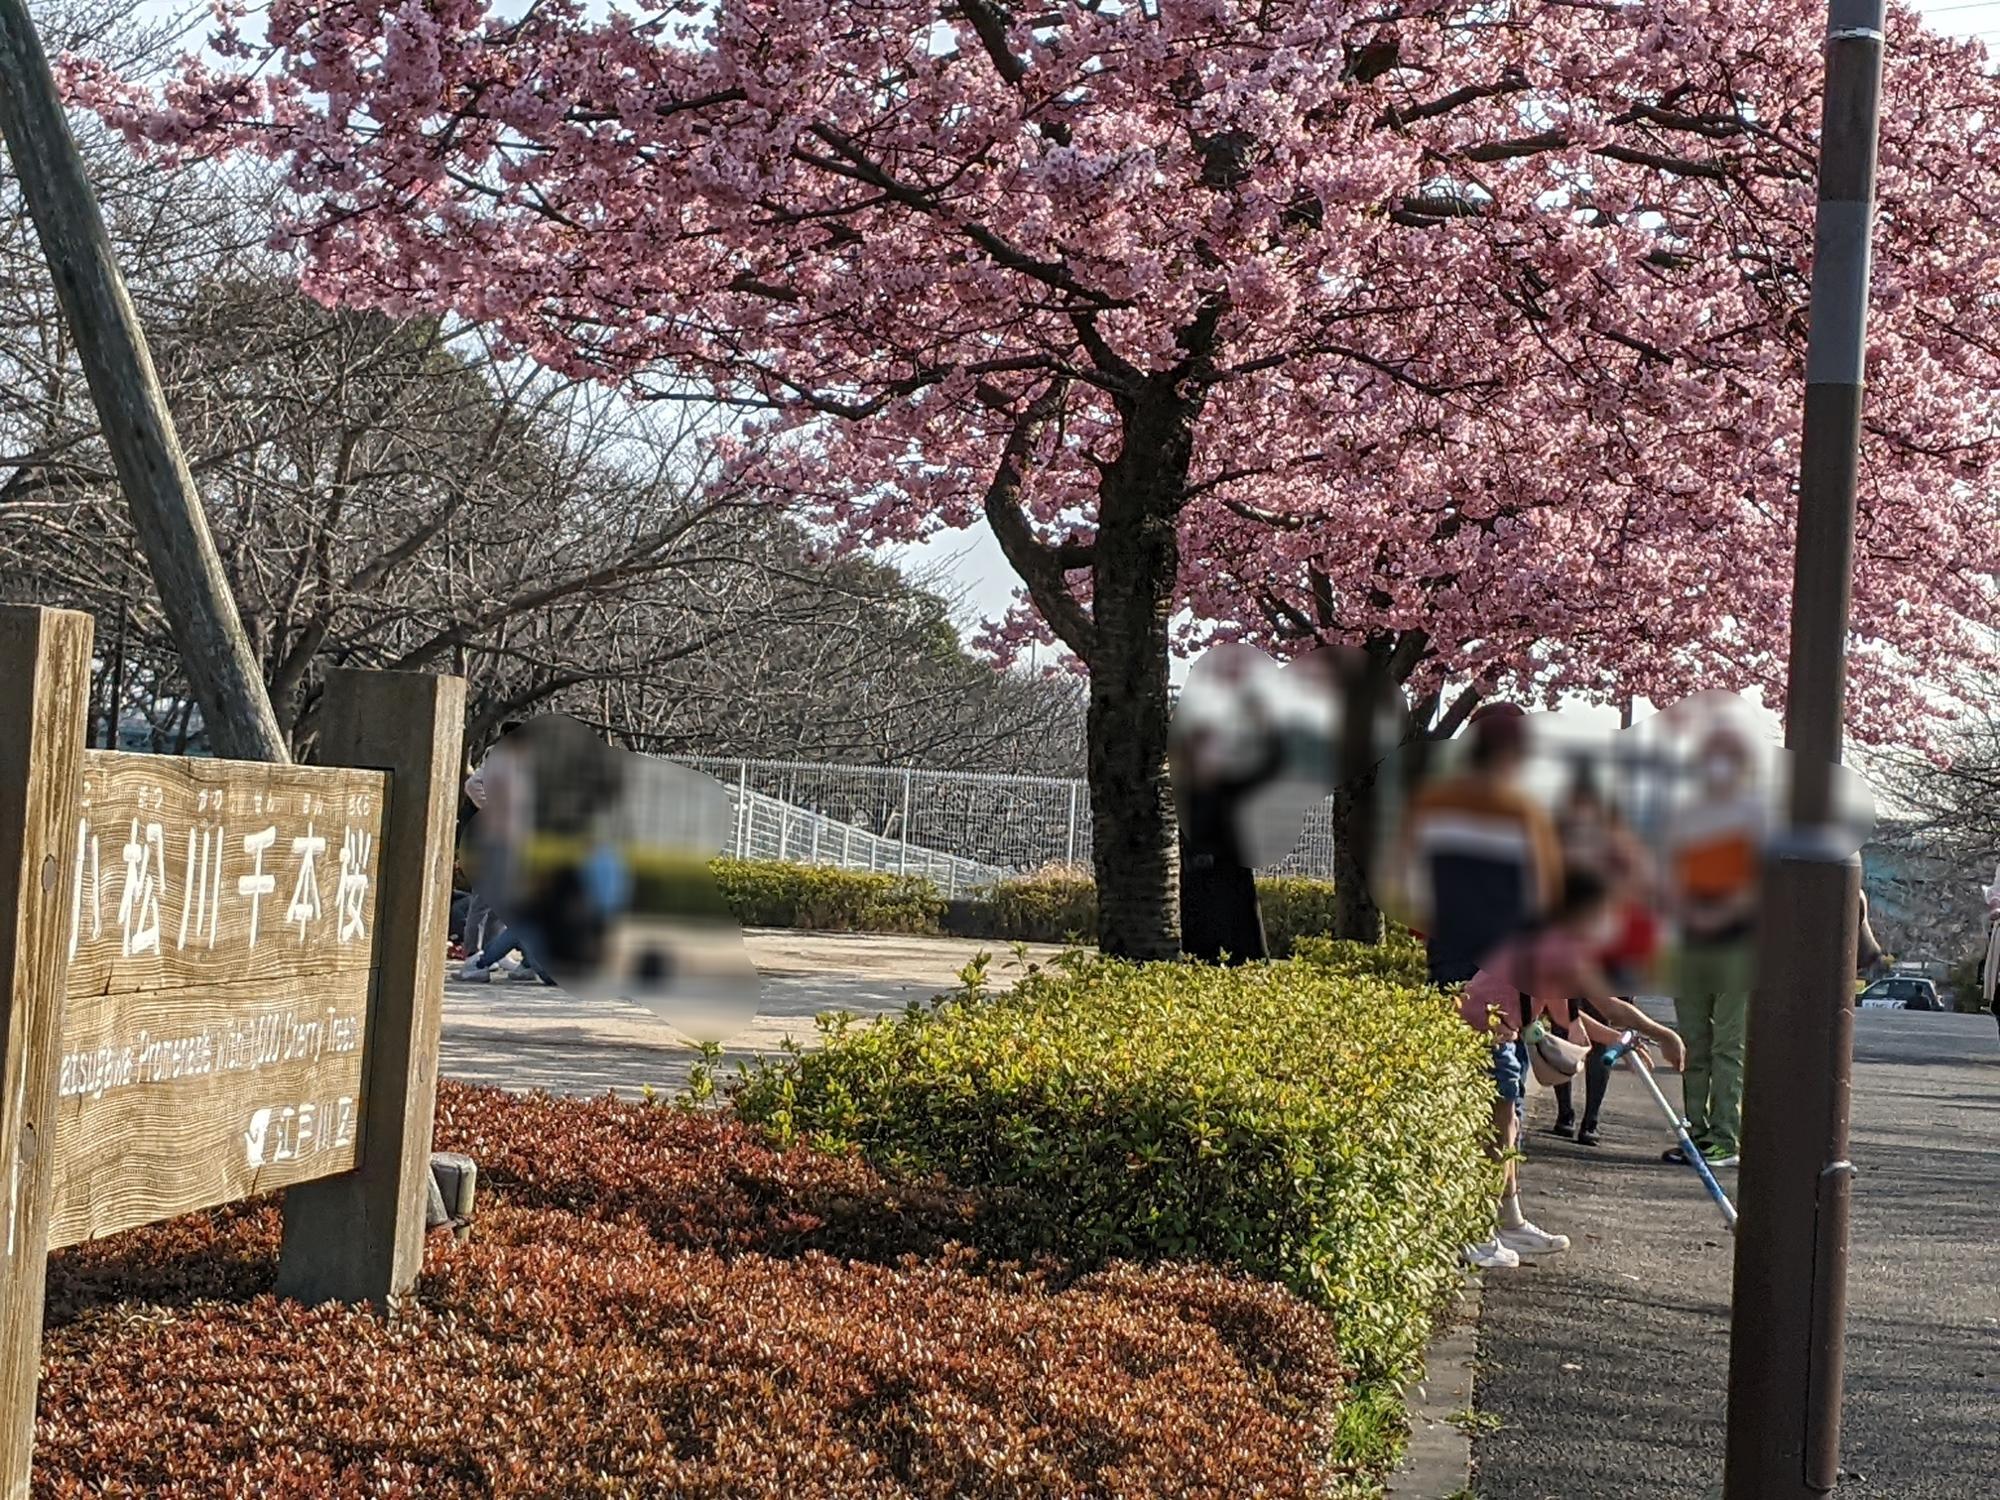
1552, 1059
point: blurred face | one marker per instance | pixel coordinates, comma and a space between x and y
1598, 926
1723, 768
1202, 748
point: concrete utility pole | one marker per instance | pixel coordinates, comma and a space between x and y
166, 509
1788, 1331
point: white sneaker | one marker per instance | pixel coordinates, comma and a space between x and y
1528, 1240
1492, 1256
510, 966
473, 974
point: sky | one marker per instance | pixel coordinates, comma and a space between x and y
1980, 18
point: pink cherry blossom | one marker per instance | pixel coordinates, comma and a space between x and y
1475, 333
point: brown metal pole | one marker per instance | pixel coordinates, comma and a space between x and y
1788, 1328
166, 509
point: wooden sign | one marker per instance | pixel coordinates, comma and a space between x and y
197, 1000
221, 941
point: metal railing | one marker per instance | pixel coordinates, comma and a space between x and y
767, 827
961, 828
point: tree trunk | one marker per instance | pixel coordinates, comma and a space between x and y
1356, 822
1365, 689
117, 714
1356, 916
1135, 845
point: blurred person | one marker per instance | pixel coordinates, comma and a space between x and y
577, 783
501, 793
584, 903
544, 778
578, 777
1594, 837
1714, 847
1358, 773
1301, 703
607, 879
501, 790
477, 915
1221, 920
1546, 971
1481, 854
460, 935
1869, 953
1989, 968
564, 924
506, 952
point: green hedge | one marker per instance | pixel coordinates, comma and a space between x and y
1058, 905
1295, 909
1397, 960
764, 892
1308, 1121
767, 893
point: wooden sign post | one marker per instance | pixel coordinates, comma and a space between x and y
359, 1236
44, 703
220, 978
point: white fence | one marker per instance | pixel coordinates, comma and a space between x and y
767, 828
960, 828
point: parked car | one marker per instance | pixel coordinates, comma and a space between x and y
1900, 993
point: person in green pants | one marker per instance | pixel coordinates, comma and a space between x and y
1715, 847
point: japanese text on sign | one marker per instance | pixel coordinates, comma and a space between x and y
225, 867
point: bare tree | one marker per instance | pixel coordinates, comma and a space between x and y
1940, 838
393, 495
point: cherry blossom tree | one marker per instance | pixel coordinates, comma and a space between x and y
1468, 332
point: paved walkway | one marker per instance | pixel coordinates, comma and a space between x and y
522, 1035
1606, 1367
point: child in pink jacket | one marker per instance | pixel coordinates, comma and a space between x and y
1548, 972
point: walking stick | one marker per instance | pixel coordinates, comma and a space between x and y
1628, 1046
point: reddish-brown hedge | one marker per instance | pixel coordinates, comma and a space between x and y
654, 1304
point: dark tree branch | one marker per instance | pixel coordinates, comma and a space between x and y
1039, 565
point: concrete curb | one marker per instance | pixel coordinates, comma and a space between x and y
1439, 1463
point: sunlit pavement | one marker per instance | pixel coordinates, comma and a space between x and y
1607, 1366
520, 1034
